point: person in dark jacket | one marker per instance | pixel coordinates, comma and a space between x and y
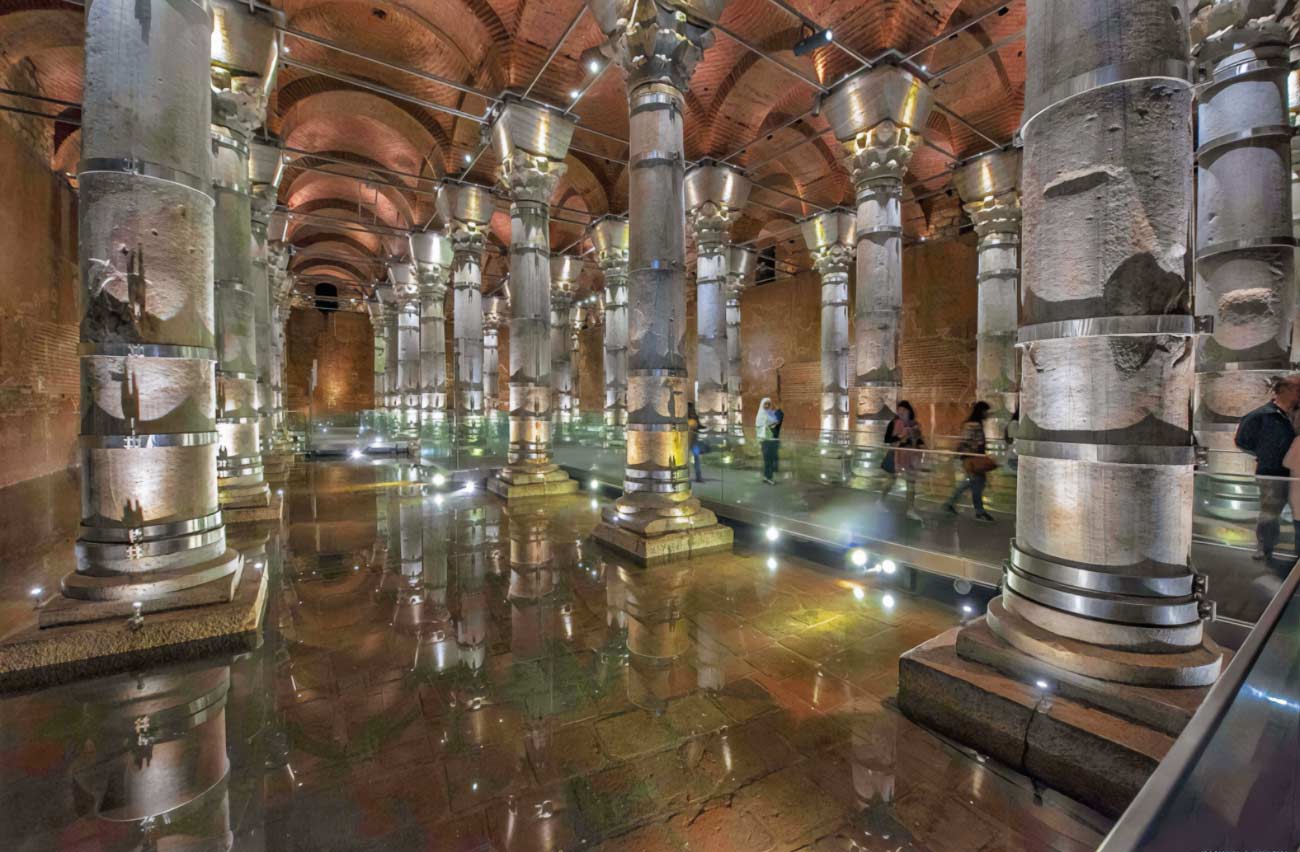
1266, 433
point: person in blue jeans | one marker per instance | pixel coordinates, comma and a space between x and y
767, 429
1266, 433
693, 424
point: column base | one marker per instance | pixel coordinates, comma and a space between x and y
512, 485
275, 466
272, 510
1094, 741
253, 496
648, 548
39, 656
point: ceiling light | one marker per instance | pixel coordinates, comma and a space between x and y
771, 533
573, 94
468, 158
812, 42
593, 66
888, 566
858, 557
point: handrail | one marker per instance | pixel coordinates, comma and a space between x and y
1130, 834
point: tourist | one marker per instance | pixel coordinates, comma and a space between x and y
764, 422
975, 462
693, 425
904, 439
1267, 434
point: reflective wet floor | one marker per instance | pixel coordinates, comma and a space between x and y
443, 672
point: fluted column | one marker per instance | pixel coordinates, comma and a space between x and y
1104, 503
657, 517
150, 524
877, 116
714, 196
432, 253
494, 314
467, 210
565, 271
830, 238
609, 235
244, 56
740, 275
531, 144
406, 290
1245, 248
990, 191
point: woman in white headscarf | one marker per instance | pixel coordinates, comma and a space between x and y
764, 422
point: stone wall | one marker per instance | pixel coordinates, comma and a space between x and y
342, 344
39, 369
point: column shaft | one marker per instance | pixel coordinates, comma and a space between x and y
492, 319
467, 327
711, 304
561, 364
610, 238
740, 272
433, 346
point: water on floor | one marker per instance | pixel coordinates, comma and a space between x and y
445, 672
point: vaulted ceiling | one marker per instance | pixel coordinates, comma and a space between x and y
378, 100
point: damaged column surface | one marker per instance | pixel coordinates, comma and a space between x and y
877, 116
1245, 250
740, 275
565, 271
281, 283
658, 43
265, 170
467, 209
1099, 607
151, 529
494, 314
830, 238
379, 310
431, 251
531, 143
609, 236
406, 296
244, 54
714, 195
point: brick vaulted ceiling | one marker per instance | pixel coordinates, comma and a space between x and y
378, 101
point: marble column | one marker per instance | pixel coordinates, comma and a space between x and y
467, 209
1098, 583
151, 529
494, 315
831, 238
393, 395
1245, 248
432, 253
1293, 104
578, 315
714, 195
877, 116
609, 236
406, 292
282, 301
244, 53
989, 188
658, 43
740, 275
264, 172
565, 270
379, 310
531, 143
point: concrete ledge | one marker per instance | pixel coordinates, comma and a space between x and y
651, 550
35, 658
1093, 756
251, 514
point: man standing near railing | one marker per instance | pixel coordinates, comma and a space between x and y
1266, 433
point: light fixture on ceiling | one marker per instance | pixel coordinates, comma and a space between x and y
468, 158
593, 66
573, 94
813, 41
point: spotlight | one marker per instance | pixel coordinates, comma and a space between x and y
858, 593
1042, 684
967, 609
468, 158
437, 500
858, 557
887, 601
593, 484
573, 94
593, 66
812, 42
469, 486
771, 533
356, 454
888, 566
439, 480
771, 563
595, 504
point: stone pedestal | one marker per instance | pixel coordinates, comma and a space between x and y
533, 485
272, 510
675, 544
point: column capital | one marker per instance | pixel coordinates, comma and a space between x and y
663, 42
830, 237
740, 269
609, 236
1220, 28
989, 187
531, 143
714, 194
565, 271
877, 116
245, 51
493, 313
467, 209
432, 252
406, 287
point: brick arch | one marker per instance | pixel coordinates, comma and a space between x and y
360, 123
386, 203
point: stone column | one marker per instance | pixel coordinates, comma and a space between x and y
432, 253
1293, 103
565, 271
609, 236
282, 299
494, 314
393, 395
740, 274
406, 290
243, 62
531, 144
379, 310
467, 209
151, 529
577, 321
990, 192
1104, 505
714, 196
1245, 248
265, 170
878, 115
831, 237
657, 517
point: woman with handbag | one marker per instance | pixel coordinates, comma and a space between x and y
975, 462
903, 436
